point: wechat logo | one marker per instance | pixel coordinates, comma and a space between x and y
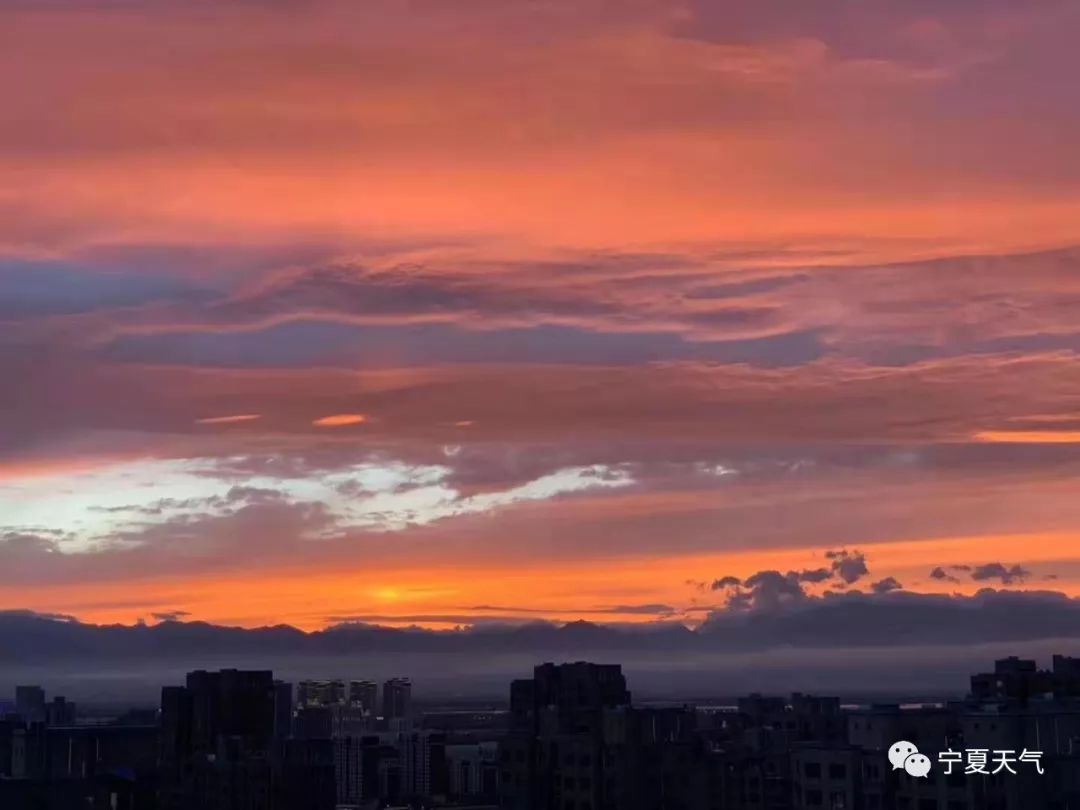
905, 756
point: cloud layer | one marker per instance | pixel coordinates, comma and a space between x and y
332, 310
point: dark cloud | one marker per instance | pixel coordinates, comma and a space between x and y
652, 608
1007, 575
886, 585
726, 582
765, 590
170, 615
27, 545
35, 289
769, 590
856, 619
941, 574
647, 609
849, 566
813, 575
34, 614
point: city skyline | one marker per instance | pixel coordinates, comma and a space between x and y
573, 736
467, 315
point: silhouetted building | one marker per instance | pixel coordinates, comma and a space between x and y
176, 744
364, 695
110, 791
304, 777
283, 709
1066, 671
314, 723
574, 741
28, 752
30, 703
60, 712
349, 770
554, 754
232, 703
219, 748
422, 757
829, 777
321, 693
473, 772
87, 751
1019, 680
397, 699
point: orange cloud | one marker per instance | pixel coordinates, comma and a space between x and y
228, 420
438, 123
341, 420
1029, 436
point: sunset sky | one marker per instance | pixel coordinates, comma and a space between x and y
433, 312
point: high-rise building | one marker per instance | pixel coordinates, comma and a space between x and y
349, 770
397, 699
314, 723
218, 737
321, 693
176, 747
30, 703
232, 703
83, 752
364, 695
556, 738
473, 772
8, 724
283, 709
576, 741
60, 712
422, 756
28, 752
304, 776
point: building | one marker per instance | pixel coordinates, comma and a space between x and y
84, 752
878, 726
230, 703
397, 699
473, 772
314, 723
364, 695
554, 754
223, 747
1019, 679
60, 712
29, 752
175, 744
321, 693
30, 703
422, 757
349, 770
827, 777
304, 777
283, 709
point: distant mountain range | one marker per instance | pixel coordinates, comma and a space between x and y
853, 620
876, 645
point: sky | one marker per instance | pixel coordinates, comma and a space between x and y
631, 311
